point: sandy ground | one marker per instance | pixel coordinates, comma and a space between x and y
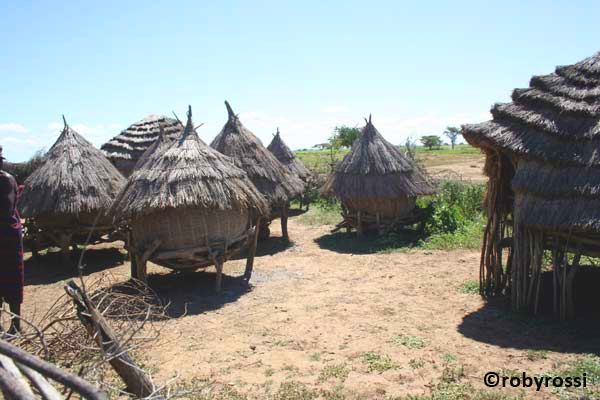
312, 306
465, 167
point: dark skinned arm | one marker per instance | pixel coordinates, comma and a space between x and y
8, 196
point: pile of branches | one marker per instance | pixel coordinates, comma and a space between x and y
132, 310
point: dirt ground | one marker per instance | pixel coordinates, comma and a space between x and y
467, 167
367, 325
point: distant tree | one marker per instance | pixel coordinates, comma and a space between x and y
431, 141
344, 136
452, 133
411, 148
21, 171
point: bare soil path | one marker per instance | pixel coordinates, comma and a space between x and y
365, 325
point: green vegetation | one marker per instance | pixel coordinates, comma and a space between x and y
536, 355
452, 133
377, 362
416, 363
456, 221
412, 342
469, 287
337, 371
588, 365
431, 141
344, 136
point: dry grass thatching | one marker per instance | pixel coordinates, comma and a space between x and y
264, 170
553, 129
74, 178
544, 190
287, 157
374, 169
125, 149
186, 173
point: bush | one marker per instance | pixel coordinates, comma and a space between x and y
21, 171
456, 205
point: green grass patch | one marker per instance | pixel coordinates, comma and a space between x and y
469, 287
416, 363
377, 362
322, 212
412, 342
536, 355
588, 365
337, 371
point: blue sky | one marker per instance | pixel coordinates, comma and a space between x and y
303, 66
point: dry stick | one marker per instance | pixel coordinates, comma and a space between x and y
86, 389
138, 383
12, 369
13, 388
47, 391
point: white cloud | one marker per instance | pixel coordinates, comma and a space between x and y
307, 132
12, 127
97, 134
333, 109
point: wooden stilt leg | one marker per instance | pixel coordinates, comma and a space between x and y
141, 268
219, 268
252, 252
284, 222
359, 228
379, 230
65, 242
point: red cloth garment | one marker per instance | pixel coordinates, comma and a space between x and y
11, 242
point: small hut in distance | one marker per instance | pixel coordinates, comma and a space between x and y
287, 157
377, 185
270, 177
68, 196
126, 148
189, 207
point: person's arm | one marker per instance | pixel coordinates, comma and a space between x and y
8, 196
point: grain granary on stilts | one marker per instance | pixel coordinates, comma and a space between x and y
270, 177
68, 196
125, 149
287, 157
189, 207
377, 185
543, 194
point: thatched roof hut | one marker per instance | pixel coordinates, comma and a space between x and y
287, 157
189, 206
270, 177
544, 187
376, 183
125, 149
74, 184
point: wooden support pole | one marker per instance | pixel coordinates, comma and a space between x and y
252, 251
284, 222
219, 267
359, 228
64, 243
136, 380
140, 272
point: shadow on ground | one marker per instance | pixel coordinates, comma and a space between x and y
351, 243
193, 293
495, 324
268, 247
49, 268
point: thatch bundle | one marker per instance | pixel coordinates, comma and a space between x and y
125, 149
544, 183
269, 176
287, 157
377, 184
189, 206
70, 191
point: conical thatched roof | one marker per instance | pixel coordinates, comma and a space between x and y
127, 147
553, 130
373, 169
74, 178
287, 157
264, 170
187, 174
